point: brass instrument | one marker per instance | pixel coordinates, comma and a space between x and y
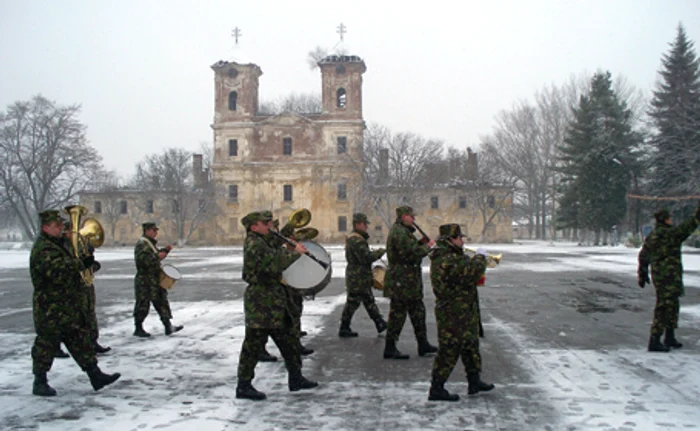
491, 260
92, 232
305, 234
300, 218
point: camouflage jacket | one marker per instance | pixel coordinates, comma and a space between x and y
265, 302
358, 273
403, 278
147, 263
454, 277
59, 291
662, 249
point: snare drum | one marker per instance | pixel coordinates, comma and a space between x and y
169, 275
378, 273
306, 275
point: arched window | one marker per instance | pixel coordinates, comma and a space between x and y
341, 98
232, 100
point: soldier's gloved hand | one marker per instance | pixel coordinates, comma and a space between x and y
642, 280
96, 266
88, 261
424, 240
381, 251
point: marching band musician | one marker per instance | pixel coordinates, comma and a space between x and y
358, 277
86, 250
146, 282
266, 307
404, 284
60, 307
454, 278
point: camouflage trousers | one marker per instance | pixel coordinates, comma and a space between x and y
286, 340
75, 337
398, 308
145, 295
665, 312
92, 314
455, 344
296, 307
353, 302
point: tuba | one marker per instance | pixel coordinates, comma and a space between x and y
300, 218
92, 232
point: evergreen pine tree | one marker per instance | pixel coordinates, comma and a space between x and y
597, 159
675, 113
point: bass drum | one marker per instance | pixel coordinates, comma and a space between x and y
307, 276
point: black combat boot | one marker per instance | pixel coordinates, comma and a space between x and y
424, 347
380, 323
298, 382
61, 354
169, 328
303, 334
655, 344
670, 339
476, 385
305, 351
391, 352
41, 386
101, 349
345, 331
439, 393
139, 331
265, 356
245, 389
99, 380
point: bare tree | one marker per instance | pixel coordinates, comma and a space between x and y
303, 103
45, 159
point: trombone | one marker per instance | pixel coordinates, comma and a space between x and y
492, 260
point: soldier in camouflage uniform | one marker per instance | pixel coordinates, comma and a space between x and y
86, 250
266, 307
454, 278
147, 283
60, 307
358, 277
662, 249
403, 283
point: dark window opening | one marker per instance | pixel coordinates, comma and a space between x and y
491, 201
233, 147
342, 144
232, 100
342, 224
287, 192
342, 192
149, 206
287, 146
434, 202
233, 193
98, 207
122, 207
462, 202
341, 98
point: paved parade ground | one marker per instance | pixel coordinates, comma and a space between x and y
566, 332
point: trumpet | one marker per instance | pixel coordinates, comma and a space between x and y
492, 260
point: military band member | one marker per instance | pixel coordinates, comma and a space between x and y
662, 250
266, 307
404, 283
87, 250
60, 307
454, 278
358, 277
147, 285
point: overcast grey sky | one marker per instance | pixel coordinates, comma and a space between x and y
140, 68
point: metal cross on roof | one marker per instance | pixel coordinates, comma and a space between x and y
236, 33
341, 30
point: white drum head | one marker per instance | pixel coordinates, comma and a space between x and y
171, 272
305, 273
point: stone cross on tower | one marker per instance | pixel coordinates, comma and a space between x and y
341, 31
236, 33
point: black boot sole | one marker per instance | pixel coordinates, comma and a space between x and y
107, 381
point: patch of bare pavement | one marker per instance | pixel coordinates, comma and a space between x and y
566, 351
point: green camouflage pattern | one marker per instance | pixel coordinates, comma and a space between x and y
254, 343
405, 253
662, 250
266, 303
358, 275
454, 277
60, 305
147, 288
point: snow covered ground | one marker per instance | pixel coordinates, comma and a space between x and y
187, 381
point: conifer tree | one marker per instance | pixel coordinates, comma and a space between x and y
675, 113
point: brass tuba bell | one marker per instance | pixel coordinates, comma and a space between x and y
300, 218
93, 232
